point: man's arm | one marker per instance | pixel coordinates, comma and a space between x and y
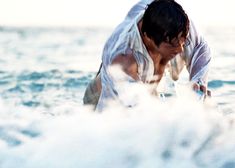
196, 57
198, 61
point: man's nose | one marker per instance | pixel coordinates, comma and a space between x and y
180, 48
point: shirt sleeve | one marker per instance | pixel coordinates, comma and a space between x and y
135, 10
115, 85
197, 56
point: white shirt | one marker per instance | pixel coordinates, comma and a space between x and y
126, 38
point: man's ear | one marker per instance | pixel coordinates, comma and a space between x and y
146, 37
145, 34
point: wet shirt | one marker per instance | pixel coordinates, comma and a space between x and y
126, 39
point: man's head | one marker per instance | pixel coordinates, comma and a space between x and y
165, 21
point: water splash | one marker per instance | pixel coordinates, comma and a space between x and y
154, 133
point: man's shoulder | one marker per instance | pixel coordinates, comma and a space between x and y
128, 64
124, 59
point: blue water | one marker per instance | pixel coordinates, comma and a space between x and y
43, 75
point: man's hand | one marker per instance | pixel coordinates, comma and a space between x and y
200, 88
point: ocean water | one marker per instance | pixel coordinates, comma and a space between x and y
43, 75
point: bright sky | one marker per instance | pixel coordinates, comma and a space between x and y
102, 12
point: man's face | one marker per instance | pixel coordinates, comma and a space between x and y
170, 49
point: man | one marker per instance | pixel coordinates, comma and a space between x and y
153, 36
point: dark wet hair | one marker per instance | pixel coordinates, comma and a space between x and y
164, 20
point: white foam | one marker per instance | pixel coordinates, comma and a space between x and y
154, 133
